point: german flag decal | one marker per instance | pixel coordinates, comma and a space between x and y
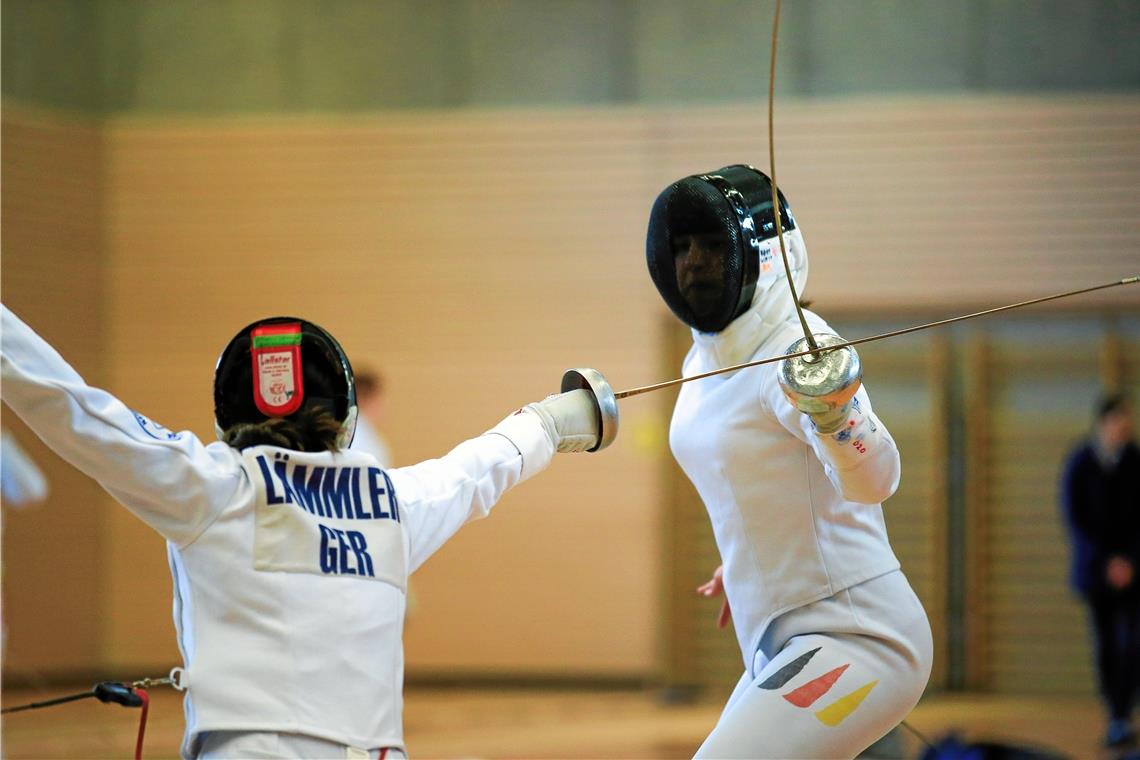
807, 694
789, 671
837, 711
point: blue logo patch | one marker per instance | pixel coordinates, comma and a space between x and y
154, 430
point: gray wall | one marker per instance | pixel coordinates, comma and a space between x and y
49, 53
286, 56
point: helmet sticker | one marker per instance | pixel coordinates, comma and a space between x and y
766, 259
278, 382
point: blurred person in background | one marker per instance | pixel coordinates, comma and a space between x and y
21, 482
370, 400
1100, 493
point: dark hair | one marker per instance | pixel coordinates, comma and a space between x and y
1113, 402
310, 429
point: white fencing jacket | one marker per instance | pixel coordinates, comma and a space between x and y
289, 568
796, 515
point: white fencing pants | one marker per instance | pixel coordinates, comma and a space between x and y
831, 678
246, 745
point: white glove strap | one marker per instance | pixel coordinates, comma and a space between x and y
854, 439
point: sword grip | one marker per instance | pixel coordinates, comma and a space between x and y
824, 382
605, 402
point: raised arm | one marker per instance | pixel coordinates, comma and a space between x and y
858, 454
170, 480
439, 496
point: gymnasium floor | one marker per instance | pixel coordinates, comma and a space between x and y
519, 723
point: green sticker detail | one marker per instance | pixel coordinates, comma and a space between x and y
265, 341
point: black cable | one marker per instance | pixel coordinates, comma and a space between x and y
107, 691
49, 703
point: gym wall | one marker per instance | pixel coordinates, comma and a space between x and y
473, 224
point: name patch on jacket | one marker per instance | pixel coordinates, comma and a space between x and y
326, 516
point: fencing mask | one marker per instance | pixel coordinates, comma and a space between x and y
712, 241
278, 366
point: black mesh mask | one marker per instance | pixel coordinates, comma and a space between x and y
323, 375
736, 202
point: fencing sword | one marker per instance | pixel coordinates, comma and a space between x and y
834, 379
776, 212
606, 398
870, 339
814, 382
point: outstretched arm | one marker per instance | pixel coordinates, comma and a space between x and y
440, 495
170, 480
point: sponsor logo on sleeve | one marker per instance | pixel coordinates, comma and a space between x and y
154, 430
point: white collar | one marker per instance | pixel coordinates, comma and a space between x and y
739, 342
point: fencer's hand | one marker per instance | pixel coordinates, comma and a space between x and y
1119, 573
821, 385
570, 418
715, 587
827, 423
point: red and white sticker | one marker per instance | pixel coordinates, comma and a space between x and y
278, 382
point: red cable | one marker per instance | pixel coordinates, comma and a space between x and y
142, 721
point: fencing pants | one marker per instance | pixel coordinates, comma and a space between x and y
831, 677
246, 745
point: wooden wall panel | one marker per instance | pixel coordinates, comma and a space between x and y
51, 277
1042, 383
977, 200
474, 255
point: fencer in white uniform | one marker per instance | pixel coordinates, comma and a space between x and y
835, 645
290, 554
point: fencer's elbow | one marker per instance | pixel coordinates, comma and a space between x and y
888, 489
864, 495
872, 485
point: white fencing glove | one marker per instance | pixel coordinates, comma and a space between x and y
570, 418
826, 423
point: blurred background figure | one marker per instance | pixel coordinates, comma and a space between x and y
1101, 498
22, 484
370, 401
21, 481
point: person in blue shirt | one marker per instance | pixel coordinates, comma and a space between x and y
1100, 493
